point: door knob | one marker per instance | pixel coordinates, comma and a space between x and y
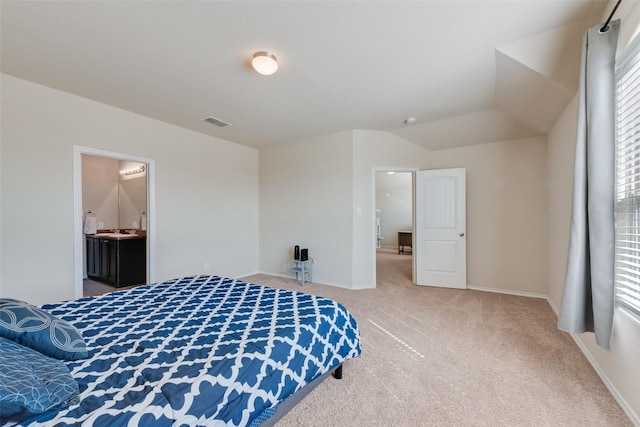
461, 234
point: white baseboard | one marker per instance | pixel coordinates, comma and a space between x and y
507, 292
267, 274
553, 307
240, 276
315, 282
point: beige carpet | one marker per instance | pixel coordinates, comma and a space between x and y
441, 357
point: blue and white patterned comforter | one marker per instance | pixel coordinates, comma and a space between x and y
200, 350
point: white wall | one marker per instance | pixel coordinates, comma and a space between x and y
305, 199
560, 158
506, 207
506, 213
394, 205
206, 190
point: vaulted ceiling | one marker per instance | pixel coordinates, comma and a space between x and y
469, 71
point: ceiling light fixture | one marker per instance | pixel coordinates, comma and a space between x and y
410, 120
265, 63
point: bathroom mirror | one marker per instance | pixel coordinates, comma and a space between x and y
132, 195
115, 191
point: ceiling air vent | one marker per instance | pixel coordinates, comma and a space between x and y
217, 122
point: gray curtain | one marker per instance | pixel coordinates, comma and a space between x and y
587, 301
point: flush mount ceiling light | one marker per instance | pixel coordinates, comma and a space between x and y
410, 120
265, 63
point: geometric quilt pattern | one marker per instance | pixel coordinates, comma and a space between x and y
200, 350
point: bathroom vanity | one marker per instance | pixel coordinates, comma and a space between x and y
117, 258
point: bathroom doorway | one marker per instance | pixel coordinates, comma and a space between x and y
114, 198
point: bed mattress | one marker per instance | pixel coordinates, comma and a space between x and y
201, 350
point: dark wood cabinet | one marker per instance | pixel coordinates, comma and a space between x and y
108, 260
405, 239
93, 257
121, 262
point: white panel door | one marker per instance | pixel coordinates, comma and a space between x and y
440, 240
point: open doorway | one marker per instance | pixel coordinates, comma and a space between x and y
394, 226
114, 242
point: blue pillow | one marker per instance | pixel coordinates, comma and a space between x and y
36, 328
32, 383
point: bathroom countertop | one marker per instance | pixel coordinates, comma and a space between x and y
116, 236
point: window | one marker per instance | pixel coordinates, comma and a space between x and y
627, 203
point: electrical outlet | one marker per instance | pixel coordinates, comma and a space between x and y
206, 267
313, 261
100, 224
135, 224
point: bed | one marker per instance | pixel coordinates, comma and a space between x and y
200, 350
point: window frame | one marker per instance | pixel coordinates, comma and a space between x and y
627, 179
